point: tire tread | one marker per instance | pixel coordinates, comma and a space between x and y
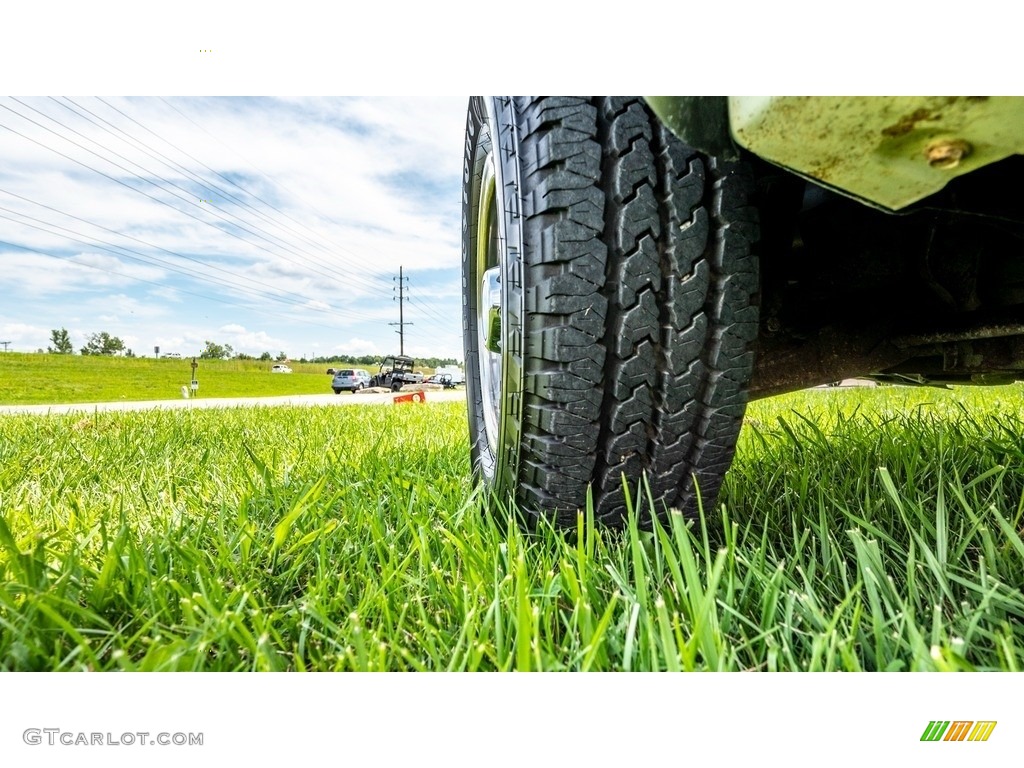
640, 291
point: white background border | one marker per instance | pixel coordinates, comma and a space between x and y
486, 720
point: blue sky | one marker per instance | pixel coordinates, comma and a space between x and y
270, 224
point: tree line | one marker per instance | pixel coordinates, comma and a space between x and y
103, 343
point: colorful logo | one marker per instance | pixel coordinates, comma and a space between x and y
959, 730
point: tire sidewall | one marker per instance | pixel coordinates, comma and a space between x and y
491, 124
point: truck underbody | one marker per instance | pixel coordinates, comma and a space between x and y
932, 294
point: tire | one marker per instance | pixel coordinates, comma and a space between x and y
396, 386
610, 294
337, 390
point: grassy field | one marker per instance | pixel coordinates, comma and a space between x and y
30, 379
858, 530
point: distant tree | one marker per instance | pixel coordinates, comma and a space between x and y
215, 351
243, 356
266, 356
282, 355
102, 343
61, 342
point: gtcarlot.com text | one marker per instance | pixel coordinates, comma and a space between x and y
54, 737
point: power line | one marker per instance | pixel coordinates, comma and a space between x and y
150, 151
152, 183
272, 294
215, 299
156, 154
428, 309
301, 302
233, 183
258, 170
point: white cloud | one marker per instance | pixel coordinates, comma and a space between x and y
356, 346
23, 335
166, 294
254, 342
42, 275
128, 309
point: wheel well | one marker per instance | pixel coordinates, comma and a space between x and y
936, 290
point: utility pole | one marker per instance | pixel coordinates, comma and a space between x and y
6, 345
401, 314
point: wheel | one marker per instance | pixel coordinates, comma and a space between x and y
337, 390
395, 386
609, 308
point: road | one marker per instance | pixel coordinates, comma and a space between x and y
228, 402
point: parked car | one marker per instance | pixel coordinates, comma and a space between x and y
634, 270
351, 379
280, 368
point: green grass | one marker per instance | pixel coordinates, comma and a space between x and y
33, 379
858, 530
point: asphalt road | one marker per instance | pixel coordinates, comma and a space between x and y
230, 402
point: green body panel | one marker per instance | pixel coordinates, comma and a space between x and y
890, 151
